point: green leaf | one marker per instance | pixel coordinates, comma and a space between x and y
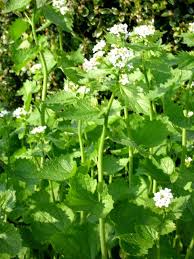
136, 100
126, 216
50, 60
58, 169
18, 27
188, 39
119, 190
150, 133
138, 243
112, 164
10, 240
21, 57
167, 165
81, 195
58, 100
7, 200
52, 15
175, 114
40, 3
14, 5
81, 110
147, 167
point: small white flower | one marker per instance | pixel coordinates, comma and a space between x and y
191, 27
19, 112
83, 90
99, 46
188, 114
60, 5
35, 67
124, 79
89, 65
38, 130
163, 198
144, 30
188, 160
119, 29
3, 113
99, 54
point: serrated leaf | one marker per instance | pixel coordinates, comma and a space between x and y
150, 133
18, 27
58, 169
112, 164
119, 190
40, 3
10, 240
188, 38
14, 5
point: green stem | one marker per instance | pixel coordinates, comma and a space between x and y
184, 146
81, 141
82, 214
44, 70
158, 249
100, 178
130, 150
60, 39
190, 248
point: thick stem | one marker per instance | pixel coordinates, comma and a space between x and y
130, 150
100, 178
44, 70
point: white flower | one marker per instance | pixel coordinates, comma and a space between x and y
124, 79
188, 114
119, 57
99, 54
163, 198
38, 130
35, 67
144, 30
191, 27
19, 112
99, 46
83, 90
118, 29
3, 113
188, 160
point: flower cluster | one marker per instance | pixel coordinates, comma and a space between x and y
144, 30
119, 29
163, 198
119, 57
19, 112
188, 161
60, 6
38, 130
3, 113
